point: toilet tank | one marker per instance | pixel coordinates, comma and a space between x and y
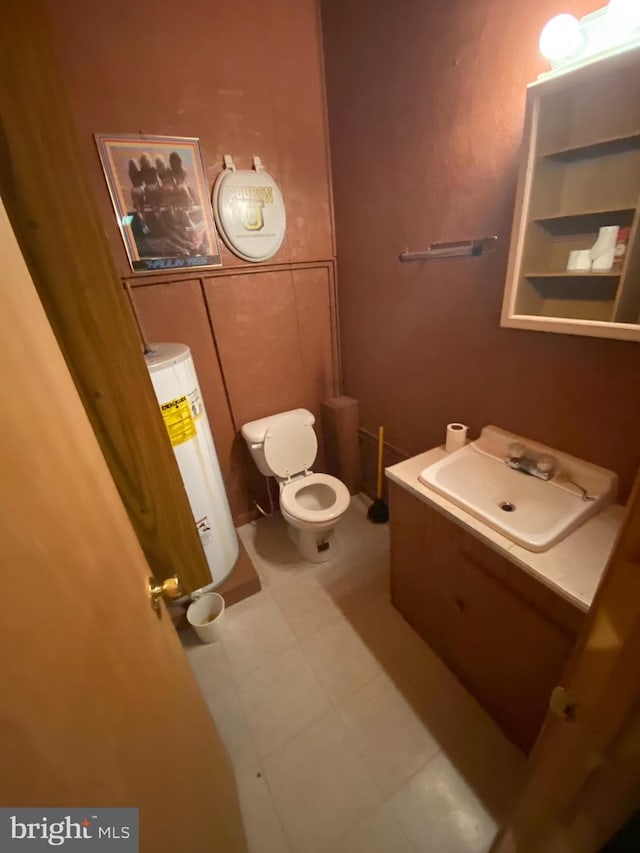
255, 431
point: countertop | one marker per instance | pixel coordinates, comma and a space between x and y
572, 568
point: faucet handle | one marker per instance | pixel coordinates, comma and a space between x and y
516, 450
546, 463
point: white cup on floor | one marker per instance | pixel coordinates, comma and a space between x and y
205, 615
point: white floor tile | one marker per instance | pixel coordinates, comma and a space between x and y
470, 739
355, 579
320, 786
358, 532
439, 813
254, 631
208, 662
261, 823
306, 605
278, 562
272, 552
232, 726
341, 660
377, 833
388, 733
281, 698
322, 686
392, 640
490, 764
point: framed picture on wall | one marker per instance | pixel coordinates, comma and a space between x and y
159, 194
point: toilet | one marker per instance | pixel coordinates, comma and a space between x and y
285, 446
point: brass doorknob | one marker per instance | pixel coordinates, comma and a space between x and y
168, 589
562, 704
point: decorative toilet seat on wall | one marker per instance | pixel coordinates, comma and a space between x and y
249, 211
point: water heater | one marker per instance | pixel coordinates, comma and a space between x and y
176, 385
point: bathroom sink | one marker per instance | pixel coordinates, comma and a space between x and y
531, 512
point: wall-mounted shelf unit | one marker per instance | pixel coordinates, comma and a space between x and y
580, 172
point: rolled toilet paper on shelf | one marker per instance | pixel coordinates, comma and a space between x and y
456, 437
579, 259
604, 261
603, 250
572, 260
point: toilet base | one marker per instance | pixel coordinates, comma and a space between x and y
313, 546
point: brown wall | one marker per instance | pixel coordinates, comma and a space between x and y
262, 342
246, 78
426, 106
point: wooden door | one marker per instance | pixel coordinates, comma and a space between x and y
55, 217
98, 705
584, 778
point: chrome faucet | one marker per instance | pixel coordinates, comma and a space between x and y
520, 459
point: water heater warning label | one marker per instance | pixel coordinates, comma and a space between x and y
178, 420
204, 529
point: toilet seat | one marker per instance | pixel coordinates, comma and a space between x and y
302, 501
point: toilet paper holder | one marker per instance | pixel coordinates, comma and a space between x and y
459, 249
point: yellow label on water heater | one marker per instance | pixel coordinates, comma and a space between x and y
178, 420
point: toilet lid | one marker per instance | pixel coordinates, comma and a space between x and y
290, 447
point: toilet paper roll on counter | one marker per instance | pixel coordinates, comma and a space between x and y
456, 437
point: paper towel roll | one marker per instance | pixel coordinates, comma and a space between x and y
456, 437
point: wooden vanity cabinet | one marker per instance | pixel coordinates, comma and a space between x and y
506, 636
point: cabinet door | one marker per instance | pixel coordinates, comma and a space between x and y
423, 560
510, 655
446, 584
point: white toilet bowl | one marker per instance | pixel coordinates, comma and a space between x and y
285, 446
312, 505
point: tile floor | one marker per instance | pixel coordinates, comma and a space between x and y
346, 733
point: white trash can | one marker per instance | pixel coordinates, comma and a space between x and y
205, 615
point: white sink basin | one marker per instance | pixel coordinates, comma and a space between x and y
530, 512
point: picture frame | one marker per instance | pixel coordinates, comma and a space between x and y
161, 201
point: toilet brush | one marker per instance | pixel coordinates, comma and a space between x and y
378, 511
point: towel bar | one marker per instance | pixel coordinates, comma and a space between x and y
461, 249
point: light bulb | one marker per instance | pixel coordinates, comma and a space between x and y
561, 38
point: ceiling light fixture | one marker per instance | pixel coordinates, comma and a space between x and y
569, 43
